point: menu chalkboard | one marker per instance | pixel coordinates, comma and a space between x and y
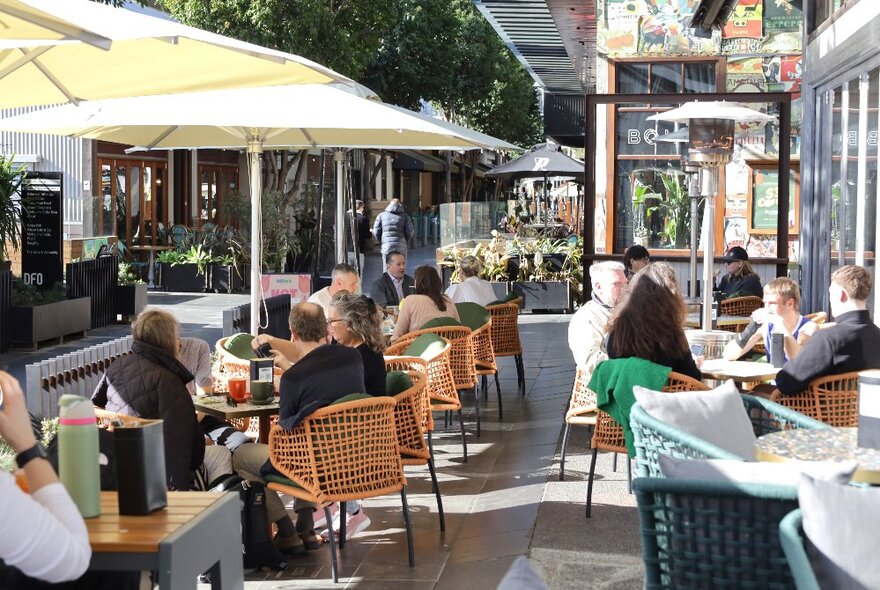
41, 223
763, 202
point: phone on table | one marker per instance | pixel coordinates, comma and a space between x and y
264, 350
697, 349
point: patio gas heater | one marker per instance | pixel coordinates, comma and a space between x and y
709, 146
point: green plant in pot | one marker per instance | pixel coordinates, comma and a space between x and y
11, 179
127, 276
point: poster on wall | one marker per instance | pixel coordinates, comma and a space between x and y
783, 73
298, 286
763, 201
780, 16
746, 75
621, 32
746, 20
735, 232
41, 237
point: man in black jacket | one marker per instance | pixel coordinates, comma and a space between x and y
394, 284
850, 344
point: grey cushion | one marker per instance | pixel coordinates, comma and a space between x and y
787, 473
521, 576
716, 416
841, 524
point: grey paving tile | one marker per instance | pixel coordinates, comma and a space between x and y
490, 547
474, 574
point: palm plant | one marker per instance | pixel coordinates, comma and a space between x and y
11, 178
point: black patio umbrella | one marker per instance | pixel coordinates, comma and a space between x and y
541, 161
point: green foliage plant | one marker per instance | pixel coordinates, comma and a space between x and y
169, 257
29, 296
11, 178
127, 276
670, 201
199, 256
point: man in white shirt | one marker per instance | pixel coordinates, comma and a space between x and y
586, 331
343, 278
471, 288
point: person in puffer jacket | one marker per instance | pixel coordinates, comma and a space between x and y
393, 228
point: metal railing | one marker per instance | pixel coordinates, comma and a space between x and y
77, 372
5, 310
238, 319
95, 278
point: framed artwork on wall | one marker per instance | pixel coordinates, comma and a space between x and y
762, 205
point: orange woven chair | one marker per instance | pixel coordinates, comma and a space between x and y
740, 306
412, 411
505, 337
833, 399
107, 419
581, 412
479, 320
343, 452
228, 366
608, 434
442, 393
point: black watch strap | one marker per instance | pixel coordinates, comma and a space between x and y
24, 457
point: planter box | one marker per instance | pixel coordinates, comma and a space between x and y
32, 325
544, 295
227, 279
130, 300
500, 289
555, 261
183, 278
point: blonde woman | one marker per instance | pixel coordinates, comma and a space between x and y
740, 279
356, 322
472, 288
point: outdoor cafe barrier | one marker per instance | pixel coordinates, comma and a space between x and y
77, 372
95, 278
5, 309
238, 319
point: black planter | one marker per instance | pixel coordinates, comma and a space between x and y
130, 300
500, 290
544, 294
554, 261
227, 279
32, 325
184, 278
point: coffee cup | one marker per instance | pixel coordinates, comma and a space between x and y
238, 389
262, 390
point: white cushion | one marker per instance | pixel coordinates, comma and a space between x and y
785, 473
841, 524
716, 416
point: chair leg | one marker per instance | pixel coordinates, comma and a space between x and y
477, 409
498, 392
334, 568
436, 486
463, 437
431, 442
343, 516
590, 482
406, 521
614, 463
520, 374
484, 383
562, 458
629, 474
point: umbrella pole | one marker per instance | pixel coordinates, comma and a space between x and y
339, 159
255, 151
694, 194
711, 186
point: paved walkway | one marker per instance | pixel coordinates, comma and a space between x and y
506, 501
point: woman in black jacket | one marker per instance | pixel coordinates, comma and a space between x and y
151, 383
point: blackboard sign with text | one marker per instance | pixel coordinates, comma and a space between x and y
41, 223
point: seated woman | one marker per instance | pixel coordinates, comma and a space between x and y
635, 258
427, 302
740, 280
356, 322
648, 322
472, 288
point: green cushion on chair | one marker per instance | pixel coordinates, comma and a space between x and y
273, 478
440, 323
239, 345
397, 382
473, 315
351, 397
426, 346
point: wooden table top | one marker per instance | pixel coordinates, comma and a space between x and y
830, 444
739, 371
215, 405
111, 532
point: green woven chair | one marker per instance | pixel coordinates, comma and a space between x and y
653, 437
701, 534
791, 535
479, 320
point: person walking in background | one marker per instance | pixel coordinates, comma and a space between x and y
740, 280
635, 259
394, 284
361, 235
472, 288
393, 228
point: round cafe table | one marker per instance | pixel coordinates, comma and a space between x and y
831, 444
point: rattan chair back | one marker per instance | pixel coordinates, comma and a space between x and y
412, 405
228, 366
441, 384
107, 419
833, 399
461, 353
679, 382
740, 306
582, 405
505, 329
818, 317
414, 364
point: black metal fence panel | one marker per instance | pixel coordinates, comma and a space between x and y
5, 310
238, 319
95, 278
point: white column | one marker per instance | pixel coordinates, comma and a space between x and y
389, 178
710, 189
862, 170
255, 150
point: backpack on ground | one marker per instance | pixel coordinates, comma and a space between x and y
255, 534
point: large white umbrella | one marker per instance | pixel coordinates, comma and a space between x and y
297, 116
56, 51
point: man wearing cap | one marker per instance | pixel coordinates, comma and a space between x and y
740, 280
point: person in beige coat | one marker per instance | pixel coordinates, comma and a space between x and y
586, 331
428, 302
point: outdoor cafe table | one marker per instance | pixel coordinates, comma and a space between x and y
215, 405
196, 532
739, 371
831, 444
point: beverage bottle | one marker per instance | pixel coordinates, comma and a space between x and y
78, 453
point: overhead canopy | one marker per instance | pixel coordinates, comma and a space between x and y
56, 51
543, 159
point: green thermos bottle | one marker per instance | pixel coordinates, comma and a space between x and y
78, 453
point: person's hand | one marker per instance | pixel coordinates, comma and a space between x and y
807, 331
698, 360
15, 423
280, 360
762, 315
261, 339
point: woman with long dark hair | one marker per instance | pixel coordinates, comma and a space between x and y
647, 322
427, 302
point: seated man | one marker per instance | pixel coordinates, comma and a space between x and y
852, 344
780, 315
586, 331
322, 373
394, 284
343, 278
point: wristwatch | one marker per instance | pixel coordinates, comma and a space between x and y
35, 452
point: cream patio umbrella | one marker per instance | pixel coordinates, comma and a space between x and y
298, 116
57, 51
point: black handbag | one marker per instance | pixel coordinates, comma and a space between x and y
140, 467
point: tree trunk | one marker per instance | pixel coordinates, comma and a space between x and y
447, 177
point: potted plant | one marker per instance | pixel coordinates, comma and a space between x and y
11, 178
185, 272
548, 273
131, 293
46, 315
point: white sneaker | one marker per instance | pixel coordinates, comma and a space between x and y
321, 520
354, 524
